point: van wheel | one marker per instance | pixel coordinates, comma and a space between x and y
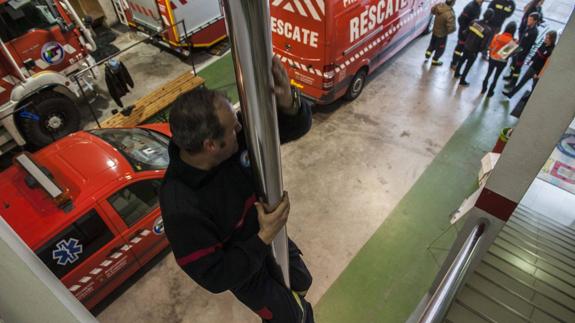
356, 85
49, 117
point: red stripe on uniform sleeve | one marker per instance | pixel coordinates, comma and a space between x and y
247, 206
265, 313
198, 254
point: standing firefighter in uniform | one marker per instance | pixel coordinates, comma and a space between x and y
219, 233
526, 41
471, 12
443, 25
476, 40
538, 63
502, 9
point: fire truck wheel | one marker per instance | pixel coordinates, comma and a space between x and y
356, 85
50, 117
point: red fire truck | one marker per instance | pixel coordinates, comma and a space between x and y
330, 46
199, 23
93, 221
42, 42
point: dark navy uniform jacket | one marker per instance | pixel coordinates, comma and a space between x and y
210, 218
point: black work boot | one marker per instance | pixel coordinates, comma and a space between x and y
484, 87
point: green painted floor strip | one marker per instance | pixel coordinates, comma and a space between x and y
221, 76
218, 76
394, 269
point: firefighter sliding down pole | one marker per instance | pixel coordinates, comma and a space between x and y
250, 36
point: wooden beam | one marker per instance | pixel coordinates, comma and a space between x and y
149, 105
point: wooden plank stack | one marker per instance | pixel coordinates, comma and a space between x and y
155, 102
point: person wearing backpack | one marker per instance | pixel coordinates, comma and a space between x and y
476, 39
471, 12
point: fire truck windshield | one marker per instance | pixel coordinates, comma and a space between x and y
144, 149
17, 17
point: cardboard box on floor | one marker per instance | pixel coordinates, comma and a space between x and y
487, 164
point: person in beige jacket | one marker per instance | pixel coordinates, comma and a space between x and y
443, 25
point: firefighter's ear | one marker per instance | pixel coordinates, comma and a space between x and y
209, 145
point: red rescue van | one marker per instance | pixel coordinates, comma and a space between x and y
330, 46
87, 205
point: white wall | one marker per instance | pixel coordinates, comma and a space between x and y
109, 12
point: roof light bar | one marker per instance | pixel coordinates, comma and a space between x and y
56, 193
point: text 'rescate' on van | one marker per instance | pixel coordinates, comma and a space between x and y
330, 46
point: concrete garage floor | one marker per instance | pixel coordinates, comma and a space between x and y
345, 177
150, 67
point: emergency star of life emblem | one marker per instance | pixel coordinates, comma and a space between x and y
306, 8
67, 251
53, 53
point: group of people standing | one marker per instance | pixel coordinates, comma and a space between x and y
482, 36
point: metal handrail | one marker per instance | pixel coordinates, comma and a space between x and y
441, 300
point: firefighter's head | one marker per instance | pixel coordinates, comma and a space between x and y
204, 127
550, 38
488, 14
510, 28
533, 19
450, 2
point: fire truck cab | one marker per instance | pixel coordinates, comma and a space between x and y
330, 46
93, 221
42, 44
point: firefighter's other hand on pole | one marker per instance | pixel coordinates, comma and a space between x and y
282, 88
272, 222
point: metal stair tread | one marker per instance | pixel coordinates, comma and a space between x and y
482, 304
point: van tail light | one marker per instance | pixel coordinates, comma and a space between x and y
328, 76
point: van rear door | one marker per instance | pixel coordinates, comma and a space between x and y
146, 14
196, 15
298, 37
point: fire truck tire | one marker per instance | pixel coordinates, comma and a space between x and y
356, 85
50, 117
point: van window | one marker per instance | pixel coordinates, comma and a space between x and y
136, 200
75, 243
144, 149
18, 17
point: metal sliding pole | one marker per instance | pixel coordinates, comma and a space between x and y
249, 31
12, 61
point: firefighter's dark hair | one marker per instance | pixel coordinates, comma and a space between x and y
450, 2
488, 14
193, 119
553, 35
536, 16
511, 27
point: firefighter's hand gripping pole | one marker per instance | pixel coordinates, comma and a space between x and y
248, 23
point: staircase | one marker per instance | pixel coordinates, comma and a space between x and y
528, 275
